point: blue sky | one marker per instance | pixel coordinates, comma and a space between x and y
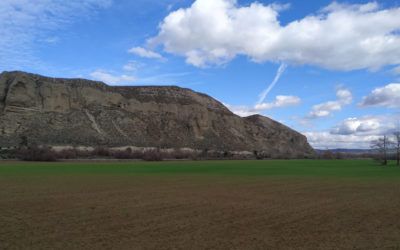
340, 61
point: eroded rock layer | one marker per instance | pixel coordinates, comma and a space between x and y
53, 111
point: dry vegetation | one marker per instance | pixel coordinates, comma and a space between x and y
43, 153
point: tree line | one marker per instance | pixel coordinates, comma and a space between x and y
386, 146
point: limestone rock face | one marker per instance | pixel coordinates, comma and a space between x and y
57, 112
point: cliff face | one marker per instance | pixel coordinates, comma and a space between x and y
55, 111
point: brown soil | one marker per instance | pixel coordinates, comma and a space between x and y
197, 213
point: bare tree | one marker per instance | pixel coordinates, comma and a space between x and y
382, 146
397, 145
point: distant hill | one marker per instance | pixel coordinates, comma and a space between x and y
344, 150
53, 111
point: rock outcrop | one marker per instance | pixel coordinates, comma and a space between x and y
56, 112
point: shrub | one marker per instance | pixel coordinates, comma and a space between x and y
35, 153
67, 154
152, 155
123, 154
327, 155
7, 154
102, 151
178, 154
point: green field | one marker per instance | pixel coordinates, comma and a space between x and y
277, 204
273, 168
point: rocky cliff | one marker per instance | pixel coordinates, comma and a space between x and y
54, 111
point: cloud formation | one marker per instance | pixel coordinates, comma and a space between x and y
396, 70
362, 125
344, 97
25, 22
387, 96
339, 37
327, 140
111, 79
132, 66
145, 53
278, 75
280, 101
357, 132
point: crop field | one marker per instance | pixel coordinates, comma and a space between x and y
286, 204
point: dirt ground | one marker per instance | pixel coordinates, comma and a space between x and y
132, 212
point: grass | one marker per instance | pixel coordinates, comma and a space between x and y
286, 168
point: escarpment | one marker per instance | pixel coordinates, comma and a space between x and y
78, 112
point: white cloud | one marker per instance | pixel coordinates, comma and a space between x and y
396, 70
24, 22
242, 110
280, 101
323, 140
163, 79
340, 37
278, 75
115, 78
344, 97
387, 96
111, 79
131, 66
51, 40
145, 53
325, 109
358, 126
356, 132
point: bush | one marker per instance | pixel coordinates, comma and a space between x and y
67, 154
36, 154
152, 155
102, 151
124, 154
7, 154
47, 154
327, 155
178, 154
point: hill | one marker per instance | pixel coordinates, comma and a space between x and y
66, 112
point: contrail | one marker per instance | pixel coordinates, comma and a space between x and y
279, 73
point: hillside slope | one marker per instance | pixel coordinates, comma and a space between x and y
55, 111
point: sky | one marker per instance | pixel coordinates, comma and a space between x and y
329, 69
